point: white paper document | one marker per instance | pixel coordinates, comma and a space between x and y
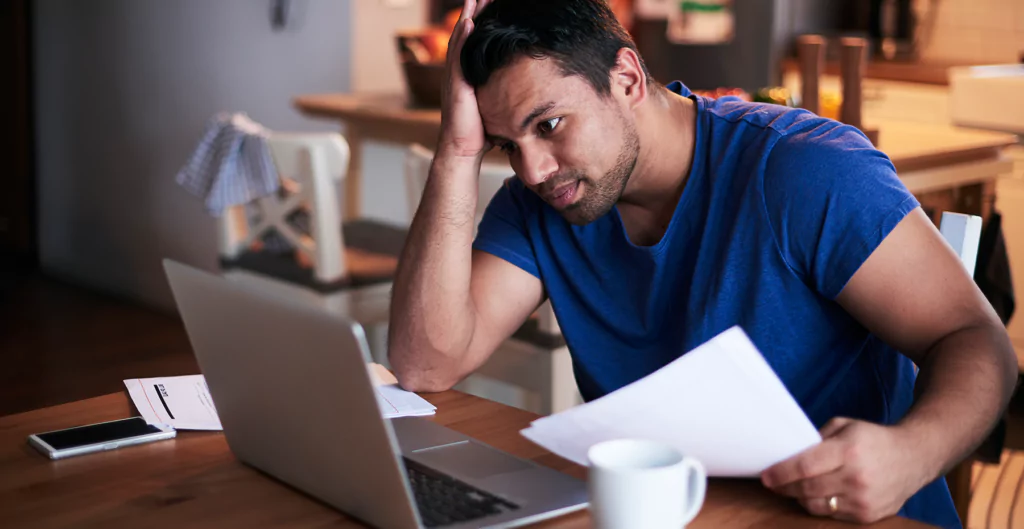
392, 399
720, 403
397, 402
184, 403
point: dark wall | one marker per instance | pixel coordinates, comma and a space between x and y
765, 34
122, 93
17, 178
746, 62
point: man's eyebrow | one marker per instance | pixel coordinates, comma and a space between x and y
495, 140
537, 112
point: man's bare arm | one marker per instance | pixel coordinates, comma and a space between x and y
913, 293
916, 295
452, 306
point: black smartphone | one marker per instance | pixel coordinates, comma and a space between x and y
98, 437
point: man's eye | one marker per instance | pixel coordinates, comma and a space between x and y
548, 126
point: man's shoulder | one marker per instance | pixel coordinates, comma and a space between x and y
777, 120
787, 146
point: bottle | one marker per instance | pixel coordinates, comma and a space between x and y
701, 22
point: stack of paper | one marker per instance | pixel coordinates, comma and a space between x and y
720, 403
397, 402
184, 403
393, 400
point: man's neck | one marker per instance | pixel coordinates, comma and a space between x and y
666, 126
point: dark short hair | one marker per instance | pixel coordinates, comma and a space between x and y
582, 36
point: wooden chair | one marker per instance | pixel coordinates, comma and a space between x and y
536, 359
344, 269
998, 487
963, 233
310, 166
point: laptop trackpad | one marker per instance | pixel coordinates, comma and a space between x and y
470, 459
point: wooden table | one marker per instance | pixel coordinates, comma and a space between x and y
949, 168
195, 481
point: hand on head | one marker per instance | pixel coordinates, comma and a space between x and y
462, 130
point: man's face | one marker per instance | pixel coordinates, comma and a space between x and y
573, 147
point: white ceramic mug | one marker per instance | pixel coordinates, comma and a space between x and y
640, 484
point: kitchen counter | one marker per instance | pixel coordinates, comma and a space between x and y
917, 146
948, 168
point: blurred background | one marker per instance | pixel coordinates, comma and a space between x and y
107, 100
111, 96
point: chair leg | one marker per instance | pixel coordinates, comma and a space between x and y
233, 232
377, 339
959, 481
560, 393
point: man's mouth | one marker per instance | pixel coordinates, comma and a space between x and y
564, 195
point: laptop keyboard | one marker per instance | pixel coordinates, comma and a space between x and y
443, 500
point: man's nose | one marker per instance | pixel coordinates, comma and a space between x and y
536, 166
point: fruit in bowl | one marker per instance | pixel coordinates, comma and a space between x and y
422, 53
423, 46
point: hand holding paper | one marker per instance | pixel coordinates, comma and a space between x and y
720, 403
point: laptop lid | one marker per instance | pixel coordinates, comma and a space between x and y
293, 393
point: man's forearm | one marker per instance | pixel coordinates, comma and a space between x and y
431, 305
963, 386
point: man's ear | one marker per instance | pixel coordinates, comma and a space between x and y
628, 80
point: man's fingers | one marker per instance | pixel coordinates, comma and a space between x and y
456, 53
819, 506
845, 510
458, 38
468, 10
834, 426
821, 459
480, 5
822, 486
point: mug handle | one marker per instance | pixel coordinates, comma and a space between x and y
696, 488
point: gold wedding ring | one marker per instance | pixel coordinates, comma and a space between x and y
833, 504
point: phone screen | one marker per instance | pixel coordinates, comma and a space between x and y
97, 433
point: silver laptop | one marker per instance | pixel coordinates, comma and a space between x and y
297, 402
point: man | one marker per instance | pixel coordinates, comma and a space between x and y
654, 219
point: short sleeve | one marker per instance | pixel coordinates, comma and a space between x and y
831, 199
503, 231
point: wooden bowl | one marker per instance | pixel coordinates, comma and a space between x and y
421, 54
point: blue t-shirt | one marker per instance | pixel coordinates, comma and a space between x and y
780, 209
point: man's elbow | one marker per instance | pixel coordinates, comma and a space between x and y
414, 375
428, 369
419, 381
1003, 351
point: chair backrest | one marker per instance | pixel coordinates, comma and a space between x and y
417, 169
291, 152
310, 165
963, 233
